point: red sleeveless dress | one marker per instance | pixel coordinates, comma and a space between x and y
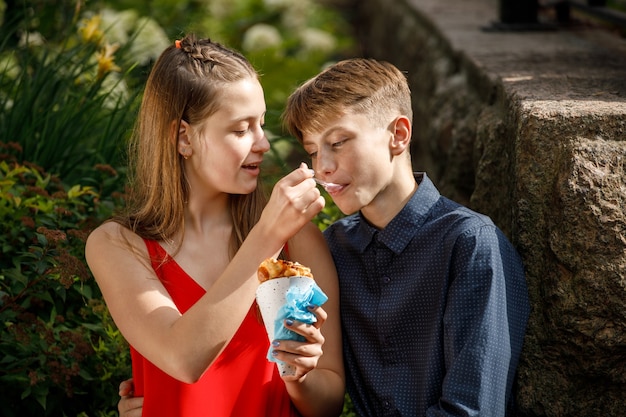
240, 383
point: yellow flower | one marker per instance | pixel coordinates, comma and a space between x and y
106, 60
90, 29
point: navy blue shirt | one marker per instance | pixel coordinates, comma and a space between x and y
433, 309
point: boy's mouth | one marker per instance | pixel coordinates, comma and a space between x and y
330, 187
334, 189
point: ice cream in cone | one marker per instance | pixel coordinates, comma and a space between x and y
286, 290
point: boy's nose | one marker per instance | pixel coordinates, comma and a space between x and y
324, 163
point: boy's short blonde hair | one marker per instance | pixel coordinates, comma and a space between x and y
361, 86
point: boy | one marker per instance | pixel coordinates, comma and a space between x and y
433, 301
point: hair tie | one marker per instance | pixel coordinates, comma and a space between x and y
177, 43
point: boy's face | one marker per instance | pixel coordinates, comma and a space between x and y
353, 152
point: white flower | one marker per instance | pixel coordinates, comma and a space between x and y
9, 66
261, 36
31, 39
117, 24
8, 103
115, 89
150, 41
316, 40
220, 9
296, 15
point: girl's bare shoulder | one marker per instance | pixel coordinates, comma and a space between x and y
112, 236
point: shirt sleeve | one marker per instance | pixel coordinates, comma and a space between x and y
477, 340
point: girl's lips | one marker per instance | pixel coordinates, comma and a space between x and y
252, 168
252, 165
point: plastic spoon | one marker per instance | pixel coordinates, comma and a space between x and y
328, 186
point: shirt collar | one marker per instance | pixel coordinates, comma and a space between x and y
399, 232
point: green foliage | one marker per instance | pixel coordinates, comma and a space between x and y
329, 214
348, 408
50, 18
61, 353
175, 16
63, 104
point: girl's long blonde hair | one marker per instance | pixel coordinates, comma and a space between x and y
185, 84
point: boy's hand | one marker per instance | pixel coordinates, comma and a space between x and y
129, 405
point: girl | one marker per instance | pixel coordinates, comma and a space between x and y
178, 269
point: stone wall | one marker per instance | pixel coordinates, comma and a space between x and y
529, 128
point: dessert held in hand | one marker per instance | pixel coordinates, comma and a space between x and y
287, 292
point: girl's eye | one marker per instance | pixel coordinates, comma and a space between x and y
243, 132
338, 144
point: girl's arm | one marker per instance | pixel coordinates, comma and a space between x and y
185, 345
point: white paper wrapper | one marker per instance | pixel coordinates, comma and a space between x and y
271, 296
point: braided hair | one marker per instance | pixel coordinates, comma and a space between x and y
185, 84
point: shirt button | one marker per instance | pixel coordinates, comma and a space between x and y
387, 405
386, 280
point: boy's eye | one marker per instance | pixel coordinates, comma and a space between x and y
310, 152
338, 144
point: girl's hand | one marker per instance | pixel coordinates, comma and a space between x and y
303, 355
295, 200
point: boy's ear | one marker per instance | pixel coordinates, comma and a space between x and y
401, 139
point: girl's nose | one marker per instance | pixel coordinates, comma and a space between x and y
261, 144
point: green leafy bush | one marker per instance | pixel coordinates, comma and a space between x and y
60, 351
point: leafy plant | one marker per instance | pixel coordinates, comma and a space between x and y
61, 353
62, 104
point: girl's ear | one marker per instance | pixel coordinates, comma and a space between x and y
183, 139
401, 135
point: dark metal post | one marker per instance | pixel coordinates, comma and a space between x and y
562, 9
518, 11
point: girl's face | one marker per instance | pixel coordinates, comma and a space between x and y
228, 147
354, 153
